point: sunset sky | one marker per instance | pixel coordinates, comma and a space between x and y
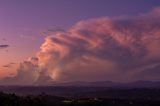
43, 40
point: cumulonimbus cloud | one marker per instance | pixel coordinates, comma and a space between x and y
116, 49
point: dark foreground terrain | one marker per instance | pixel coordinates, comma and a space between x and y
104, 93
78, 96
48, 100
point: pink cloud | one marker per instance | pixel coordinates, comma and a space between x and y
117, 49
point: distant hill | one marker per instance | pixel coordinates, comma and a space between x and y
80, 89
108, 84
136, 84
88, 84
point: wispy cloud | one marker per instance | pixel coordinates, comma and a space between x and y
4, 46
9, 65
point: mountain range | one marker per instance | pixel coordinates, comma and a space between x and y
136, 84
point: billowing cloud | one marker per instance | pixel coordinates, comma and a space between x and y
116, 49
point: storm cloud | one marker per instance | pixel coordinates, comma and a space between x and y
116, 49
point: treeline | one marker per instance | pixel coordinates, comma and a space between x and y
38, 100
49, 100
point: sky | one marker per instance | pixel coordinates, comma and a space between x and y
36, 35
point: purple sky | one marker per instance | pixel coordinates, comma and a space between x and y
22, 22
